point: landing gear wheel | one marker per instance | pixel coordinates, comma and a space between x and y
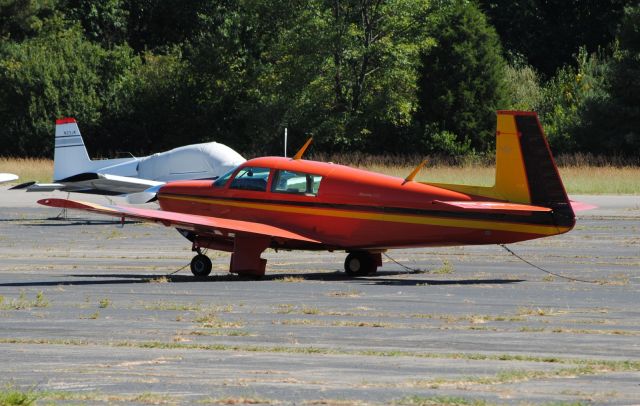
201, 266
359, 264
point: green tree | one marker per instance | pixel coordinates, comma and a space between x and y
103, 21
611, 123
341, 71
20, 19
461, 82
57, 73
155, 25
548, 33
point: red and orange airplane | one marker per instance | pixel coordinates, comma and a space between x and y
295, 204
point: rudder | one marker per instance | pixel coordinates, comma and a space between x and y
70, 155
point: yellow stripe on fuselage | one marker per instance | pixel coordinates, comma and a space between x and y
394, 218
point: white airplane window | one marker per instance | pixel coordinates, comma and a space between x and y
251, 178
296, 183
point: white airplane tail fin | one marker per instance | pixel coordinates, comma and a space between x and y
70, 155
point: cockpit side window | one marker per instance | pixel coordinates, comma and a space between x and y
222, 180
296, 183
251, 178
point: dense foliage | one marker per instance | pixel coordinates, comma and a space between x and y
378, 76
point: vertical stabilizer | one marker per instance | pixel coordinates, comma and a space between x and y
70, 156
525, 170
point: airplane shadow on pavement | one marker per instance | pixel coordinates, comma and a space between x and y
381, 278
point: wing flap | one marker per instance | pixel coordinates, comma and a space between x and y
180, 220
493, 207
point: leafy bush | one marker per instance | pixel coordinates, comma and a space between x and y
566, 96
523, 87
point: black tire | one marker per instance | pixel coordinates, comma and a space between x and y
359, 264
201, 266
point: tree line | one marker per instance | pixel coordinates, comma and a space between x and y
377, 76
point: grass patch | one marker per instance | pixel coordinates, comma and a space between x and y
578, 178
439, 401
445, 269
28, 169
23, 303
220, 333
183, 307
11, 396
580, 175
538, 311
345, 293
337, 323
159, 279
239, 401
92, 316
104, 303
290, 279
510, 376
599, 364
210, 319
310, 310
139, 398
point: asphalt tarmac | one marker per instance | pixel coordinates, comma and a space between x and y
92, 313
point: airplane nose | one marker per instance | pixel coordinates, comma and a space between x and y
146, 196
154, 189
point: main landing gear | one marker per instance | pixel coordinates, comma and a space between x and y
361, 263
245, 257
200, 265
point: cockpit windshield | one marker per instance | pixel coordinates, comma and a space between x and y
222, 180
251, 178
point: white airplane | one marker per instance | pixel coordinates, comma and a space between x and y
74, 171
7, 177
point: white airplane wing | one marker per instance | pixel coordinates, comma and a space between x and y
95, 183
7, 177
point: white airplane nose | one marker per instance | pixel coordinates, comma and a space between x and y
146, 196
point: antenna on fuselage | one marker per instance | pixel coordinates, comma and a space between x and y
413, 174
299, 154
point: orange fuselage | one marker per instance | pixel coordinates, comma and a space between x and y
355, 209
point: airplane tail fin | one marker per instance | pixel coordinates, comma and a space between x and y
525, 170
70, 154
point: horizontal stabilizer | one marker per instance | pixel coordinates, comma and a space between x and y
101, 183
226, 227
38, 187
493, 207
581, 206
23, 185
97, 183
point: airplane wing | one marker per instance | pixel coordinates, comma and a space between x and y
492, 207
7, 177
95, 183
211, 225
